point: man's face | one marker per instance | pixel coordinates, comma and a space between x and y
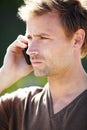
51, 52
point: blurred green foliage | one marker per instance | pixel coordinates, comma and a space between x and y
27, 81
10, 28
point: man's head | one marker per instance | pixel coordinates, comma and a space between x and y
72, 14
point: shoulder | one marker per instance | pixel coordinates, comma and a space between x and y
17, 99
22, 93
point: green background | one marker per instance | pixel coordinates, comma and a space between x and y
10, 28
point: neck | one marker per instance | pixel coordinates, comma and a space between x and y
69, 83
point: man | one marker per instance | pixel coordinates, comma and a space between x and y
56, 36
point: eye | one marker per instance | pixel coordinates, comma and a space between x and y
29, 37
44, 38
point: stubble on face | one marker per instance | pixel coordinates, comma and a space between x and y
56, 59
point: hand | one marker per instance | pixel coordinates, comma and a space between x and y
14, 62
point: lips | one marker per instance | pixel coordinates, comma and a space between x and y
36, 63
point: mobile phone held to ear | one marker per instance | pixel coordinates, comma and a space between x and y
27, 57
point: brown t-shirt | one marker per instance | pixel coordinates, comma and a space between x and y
31, 109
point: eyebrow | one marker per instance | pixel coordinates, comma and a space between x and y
38, 35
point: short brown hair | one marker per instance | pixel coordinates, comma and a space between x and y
72, 13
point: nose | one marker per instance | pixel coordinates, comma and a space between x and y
32, 49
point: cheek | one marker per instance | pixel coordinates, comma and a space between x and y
57, 53
51, 57
61, 56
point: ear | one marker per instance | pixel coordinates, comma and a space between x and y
79, 37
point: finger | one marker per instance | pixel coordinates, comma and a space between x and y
22, 38
20, 42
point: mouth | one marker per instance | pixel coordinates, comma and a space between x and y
36, 63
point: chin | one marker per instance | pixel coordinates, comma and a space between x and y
39, 74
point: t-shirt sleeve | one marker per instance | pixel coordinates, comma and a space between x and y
12, 105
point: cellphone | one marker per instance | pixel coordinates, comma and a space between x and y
27, 57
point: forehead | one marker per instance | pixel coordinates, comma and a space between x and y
49, 22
